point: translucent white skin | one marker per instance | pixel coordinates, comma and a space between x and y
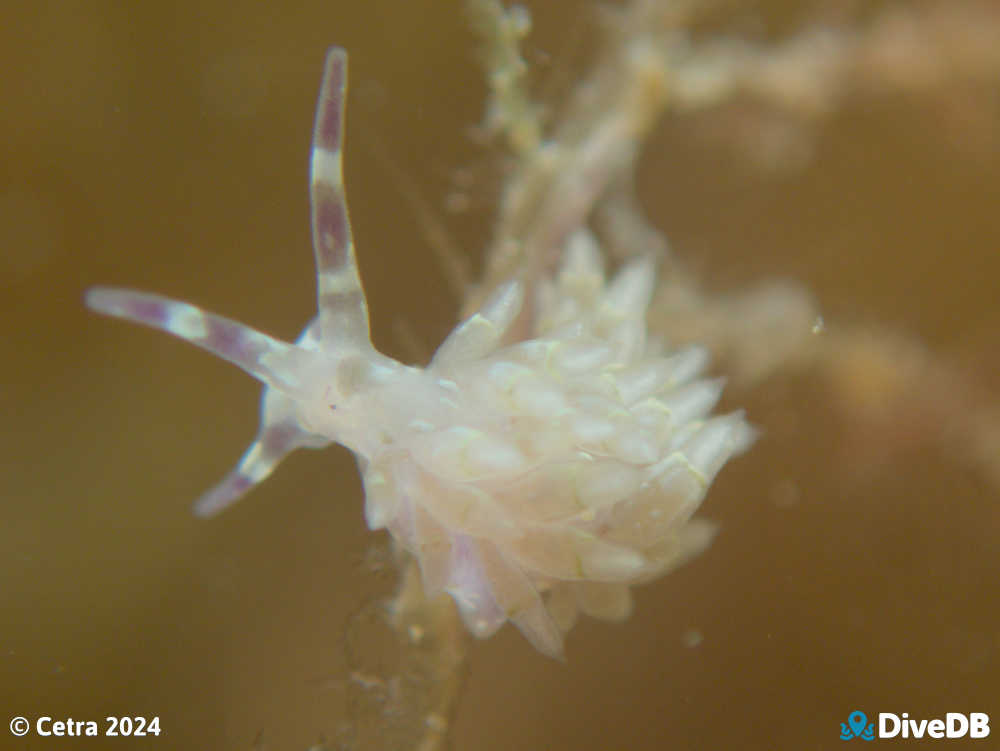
531, 480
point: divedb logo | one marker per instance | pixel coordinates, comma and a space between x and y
953, 725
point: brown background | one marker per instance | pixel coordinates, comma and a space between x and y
166, 149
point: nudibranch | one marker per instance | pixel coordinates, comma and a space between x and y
531, 480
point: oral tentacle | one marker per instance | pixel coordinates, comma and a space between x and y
272, 361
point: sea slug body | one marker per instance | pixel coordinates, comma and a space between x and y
532, 480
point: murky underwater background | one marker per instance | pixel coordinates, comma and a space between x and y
165, 148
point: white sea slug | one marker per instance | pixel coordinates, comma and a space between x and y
531, 480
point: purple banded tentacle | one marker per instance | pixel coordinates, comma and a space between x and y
279, 435
267, 359
343, 311
273, 443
